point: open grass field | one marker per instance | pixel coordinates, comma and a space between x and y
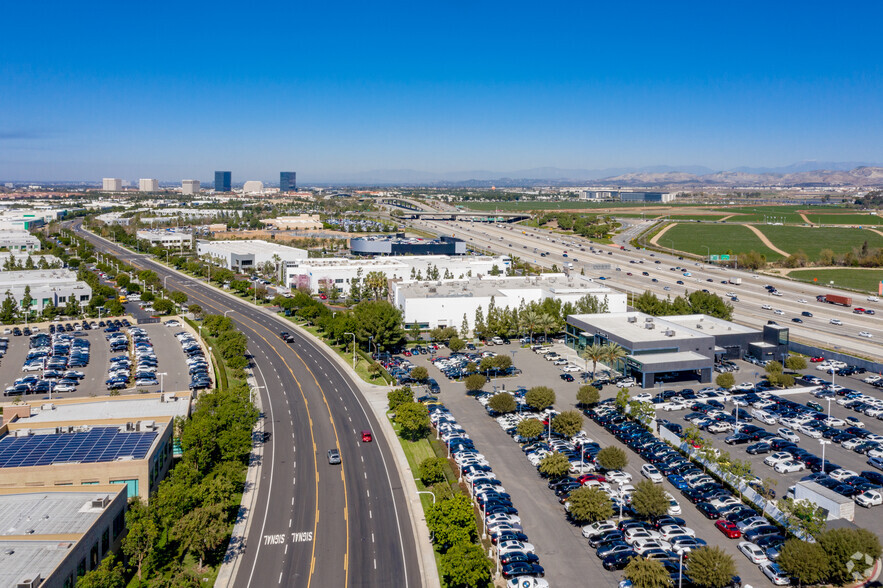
864, 280
812, 240
693, 237
563, 205
870, 220
675, 217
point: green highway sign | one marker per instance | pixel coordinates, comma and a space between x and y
725, 258
715, 257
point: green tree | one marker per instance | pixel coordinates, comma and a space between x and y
474, 382
466, 566
554, 465
589, 504
612, 458
622, 399
414, 331
399, 396
805, 515
432, 471
587, 396
711, 567
647, 573
540, 397
725, 380
420, 373
164, 306
642, 411
178, 297
413, 418
456, 344
142, 535
201, 531
503, 403
841, 545
194, 309
594, 353
805, 562
567, 423
379, 320
649, 499
795, 363
530, 428
9, 309
613, 354
451, 521
109, 574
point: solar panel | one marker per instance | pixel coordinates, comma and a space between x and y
100, 444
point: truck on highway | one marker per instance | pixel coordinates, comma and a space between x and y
568, 265
735, 281
835, 299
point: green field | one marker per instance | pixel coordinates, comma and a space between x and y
675, 217
845, 219
784, 214
864, 280
693, 238
812, 240
562, 205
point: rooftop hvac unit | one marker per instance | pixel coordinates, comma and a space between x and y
650, 326
168, 397
34, 582
698, 326
126, 458
48, 406
669, 333
130, 426
24, 433
648, 319
100, 502
145, 426
633, 319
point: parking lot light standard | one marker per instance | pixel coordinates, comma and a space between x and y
823, 442
621, 499
680, 568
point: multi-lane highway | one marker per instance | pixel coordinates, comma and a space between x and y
528, 244
313, 524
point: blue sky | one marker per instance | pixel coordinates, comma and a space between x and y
178, 89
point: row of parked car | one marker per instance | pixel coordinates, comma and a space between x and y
454, 366
55, 356
519, 562
197, 365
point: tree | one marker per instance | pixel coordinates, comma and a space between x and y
805, 515
567, 423
194, 309
379, 320
27, 300
502, 403
109, 574
594, 353
399, 396
647, 573
589, 504
164, 306
456, 344
725, 380
178, 297
413, 418
613, 354
795, 363
587, 396
474, 382
202, 530
841, 545
529, 320
414, 331
642, 411
540, 397
451, 521
142, 535
711, 567
466, 565
530, 428
649, 499
554, 465
805, 562
612, 458
432, 471
622, 399
420, 373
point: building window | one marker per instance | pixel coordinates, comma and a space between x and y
105, 541
62, 299
93, 556
84, 298
81, 568
119, 523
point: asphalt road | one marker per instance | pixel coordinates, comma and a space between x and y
314, 524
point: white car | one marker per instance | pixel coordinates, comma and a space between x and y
643, 397
810, 432
618, 477
598, 527
527, 582
754, 553
801, 300
776, 458
510, 546
650, 472
638, 533
32, 367
570, 368
778, 311
788, 435
841, 474
674, 509
670, 531
852, 443
834, 422
65, 388
766, 307
643, 545
865, 334
869, 498
835, 322
750, 523
790, 466
775, 574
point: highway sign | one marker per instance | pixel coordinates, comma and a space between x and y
725, 258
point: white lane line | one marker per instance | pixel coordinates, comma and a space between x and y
289, 523
370, 514
286, 548
372, 537
280, 577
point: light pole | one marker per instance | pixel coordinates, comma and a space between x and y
164, 280
823, 442
680, 568
161, 375
621, 499
708, 252
354, 348
672, 249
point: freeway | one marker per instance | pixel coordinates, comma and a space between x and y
313, 524
521, 241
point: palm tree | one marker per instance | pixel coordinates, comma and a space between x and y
594, 352
546, 323
528, 320
613, 352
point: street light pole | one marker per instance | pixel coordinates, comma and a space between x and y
708, 251
680, 568
354, 348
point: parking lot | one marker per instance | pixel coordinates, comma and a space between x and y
170, 360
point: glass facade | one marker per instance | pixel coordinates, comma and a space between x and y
288, 181
223, 181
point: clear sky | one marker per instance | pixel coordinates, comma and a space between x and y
178, 89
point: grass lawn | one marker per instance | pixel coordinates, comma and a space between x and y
864, 280
561, 205
846, 219
813, 240
693, 237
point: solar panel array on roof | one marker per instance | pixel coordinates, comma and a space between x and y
100, 444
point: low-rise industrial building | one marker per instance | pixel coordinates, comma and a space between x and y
321, 274
445, 303
14, 240
24, 219
302, 222
400, 245
20, 260
52, 536
171, 237
244, 256
52, 286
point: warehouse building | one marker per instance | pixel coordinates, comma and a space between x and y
301, 222
444, 303
172, 237
20, 260
400, 245
53, 286
52, 536
13, 240
244, 256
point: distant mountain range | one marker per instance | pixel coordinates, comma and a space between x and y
804, 173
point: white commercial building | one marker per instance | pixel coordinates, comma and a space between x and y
20, 260
23, 219
319, 273
189, 187
111, 184
245, 255
18, 241
148, 185
167, 237
54, 287
253, 187
444, 303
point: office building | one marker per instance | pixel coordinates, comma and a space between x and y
302, 222
400, 245
52, 536
245, 256
444, 303
148, 185
171, 237
55, 286
13, 260
189, 187
112, 184
253, 187
13, 240
646, 196
223, 181
288, 181
23, 219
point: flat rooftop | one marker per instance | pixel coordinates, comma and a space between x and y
650, 359
146, 406
25, 447
494, 286
253, 246
712, 325
39, 277
631, 326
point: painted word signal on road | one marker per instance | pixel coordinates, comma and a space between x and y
302, 537
279, 539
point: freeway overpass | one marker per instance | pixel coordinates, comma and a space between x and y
478, 217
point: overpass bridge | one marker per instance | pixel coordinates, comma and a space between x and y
478, 217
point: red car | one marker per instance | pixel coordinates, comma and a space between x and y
588, 477
858, 310
323, 297
729, 529
817, 359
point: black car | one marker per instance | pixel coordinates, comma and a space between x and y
522, 568
659, 522
737, 439
508, 536
758, 448
606, 537
517, 557
708, 510
618, 561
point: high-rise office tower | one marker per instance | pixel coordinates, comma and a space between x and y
111, 184
288, 181
223, 181
148, 185
189, 187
